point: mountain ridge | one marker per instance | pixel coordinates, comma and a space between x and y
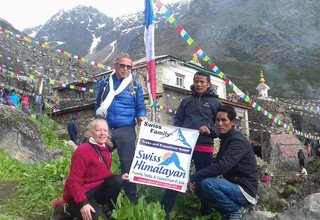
242, 37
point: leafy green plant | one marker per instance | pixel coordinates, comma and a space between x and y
11, 169
142, 210
268, 205
318, 165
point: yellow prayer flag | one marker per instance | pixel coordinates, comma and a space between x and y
171, 19
190, 41
206, 59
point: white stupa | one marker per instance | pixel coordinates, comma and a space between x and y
262, 88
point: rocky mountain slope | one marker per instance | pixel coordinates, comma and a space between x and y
242, 37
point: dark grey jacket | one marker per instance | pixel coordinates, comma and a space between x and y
235, 161
195, 111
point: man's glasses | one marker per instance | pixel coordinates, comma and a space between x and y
122, 66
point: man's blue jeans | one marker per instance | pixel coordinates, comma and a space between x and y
221, 195
201, 161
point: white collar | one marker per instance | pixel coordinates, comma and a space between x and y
92, 141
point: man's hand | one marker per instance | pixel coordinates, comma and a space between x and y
86, 212
204, 130
141, 119
125, 176
190, 188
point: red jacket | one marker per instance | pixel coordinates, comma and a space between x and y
25, 99
87, 171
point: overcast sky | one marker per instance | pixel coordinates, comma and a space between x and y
23, 14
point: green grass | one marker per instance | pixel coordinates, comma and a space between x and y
38, 184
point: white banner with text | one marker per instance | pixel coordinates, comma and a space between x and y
163, 155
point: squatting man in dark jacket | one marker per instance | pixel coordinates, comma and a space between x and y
230, 184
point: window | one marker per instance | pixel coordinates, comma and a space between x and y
179, 80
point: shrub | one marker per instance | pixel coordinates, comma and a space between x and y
142, 210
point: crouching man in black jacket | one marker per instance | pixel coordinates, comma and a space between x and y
230, 184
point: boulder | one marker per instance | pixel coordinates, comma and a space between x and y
309, 208
20, 137
261, 215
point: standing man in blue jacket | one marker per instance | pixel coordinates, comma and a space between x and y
230, 184
120, 101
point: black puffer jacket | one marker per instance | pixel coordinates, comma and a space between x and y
235, 161
195, 111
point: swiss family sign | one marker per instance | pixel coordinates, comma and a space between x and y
162, 157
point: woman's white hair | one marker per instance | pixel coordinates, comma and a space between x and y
93, 123
91, 126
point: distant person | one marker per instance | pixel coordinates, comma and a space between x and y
25, 104
73, 130
314, 147
90, 183
301, 158
318, 151
1, 96
308, 149
15, 98
197, 111
303, 174
25, 98
120, 101
230, 184
7, 98
38, 106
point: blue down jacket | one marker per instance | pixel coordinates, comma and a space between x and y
125, 107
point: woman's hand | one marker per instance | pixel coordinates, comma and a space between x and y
86, 212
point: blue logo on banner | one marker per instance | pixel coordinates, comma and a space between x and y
180, 137
170, 158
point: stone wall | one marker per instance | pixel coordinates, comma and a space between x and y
83, 115
278, 146
284, 151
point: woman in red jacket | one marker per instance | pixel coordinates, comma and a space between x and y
90, 183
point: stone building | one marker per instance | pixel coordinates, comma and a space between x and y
174, 78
